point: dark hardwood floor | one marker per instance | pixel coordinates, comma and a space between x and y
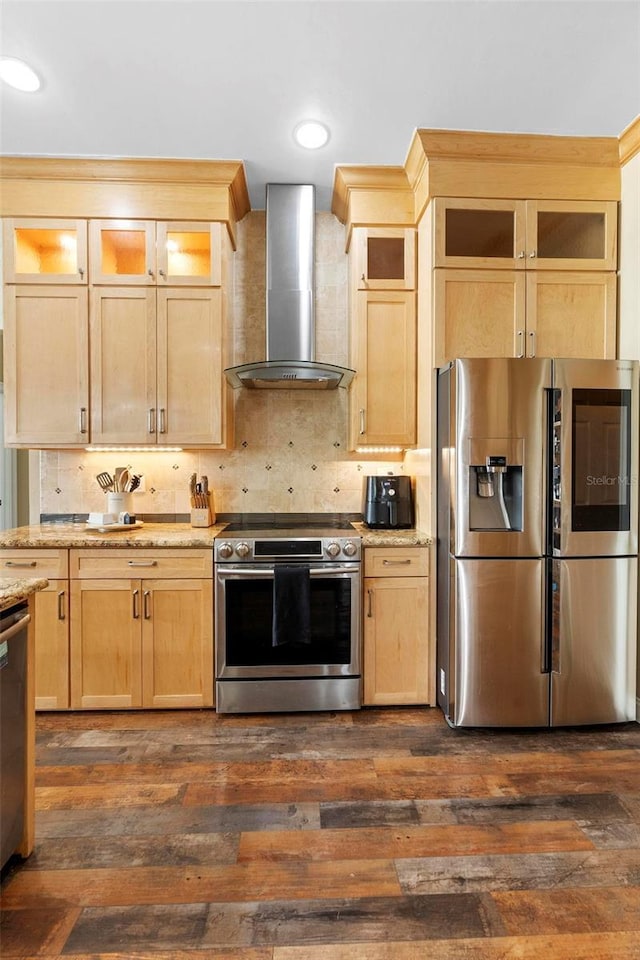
375, 835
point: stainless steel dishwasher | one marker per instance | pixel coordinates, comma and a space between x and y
13, 727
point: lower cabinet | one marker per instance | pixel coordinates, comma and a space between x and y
145, 640
396, 626
51, 620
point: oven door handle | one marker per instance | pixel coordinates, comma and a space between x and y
323, 572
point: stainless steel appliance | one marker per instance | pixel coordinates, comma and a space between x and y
537, 541
288, 615
387, 502
290, 259
13, 727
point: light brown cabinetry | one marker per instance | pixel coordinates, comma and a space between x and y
141, 628
384, 258
396, 626
382, 399
507, 313
525, 234
46, 365
114, 369
149, 253
45, 251
52, 620
524, 278
146, 347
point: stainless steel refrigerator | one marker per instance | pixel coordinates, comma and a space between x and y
537, 486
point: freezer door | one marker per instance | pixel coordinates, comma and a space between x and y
594, 640
595, 458
499, 629
498, 414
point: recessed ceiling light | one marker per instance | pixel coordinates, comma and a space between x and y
311, 134
19, 75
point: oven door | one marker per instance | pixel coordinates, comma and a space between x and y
244, 618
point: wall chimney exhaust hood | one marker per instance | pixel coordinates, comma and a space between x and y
290, 352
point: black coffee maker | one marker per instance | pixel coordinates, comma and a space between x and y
387, 502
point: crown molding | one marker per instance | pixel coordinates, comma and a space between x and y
630, 141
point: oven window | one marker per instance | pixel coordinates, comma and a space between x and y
248, 624
601, 442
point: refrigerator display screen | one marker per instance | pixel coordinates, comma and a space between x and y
601, 458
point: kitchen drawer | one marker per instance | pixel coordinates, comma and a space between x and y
143, 562
29, 562
396, 562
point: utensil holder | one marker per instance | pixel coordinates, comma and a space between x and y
118, 503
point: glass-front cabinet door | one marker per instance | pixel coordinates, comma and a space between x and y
479, 233
571, 235
45, 251
189, 254
525, 234
385, 258
122, 251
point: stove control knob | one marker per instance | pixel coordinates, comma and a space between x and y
350, 548
242, 549
333, 549
225, 550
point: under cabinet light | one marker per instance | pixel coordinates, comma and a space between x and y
124, 448
379, 449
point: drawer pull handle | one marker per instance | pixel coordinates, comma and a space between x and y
61, 613
147, 610
134, 597
142, 563
20, 563
395, 563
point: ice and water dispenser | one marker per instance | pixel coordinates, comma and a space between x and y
495, 484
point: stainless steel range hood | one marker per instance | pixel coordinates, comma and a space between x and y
290, 352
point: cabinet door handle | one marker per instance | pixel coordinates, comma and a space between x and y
532, 255
163, 426
83, 420
146, 606
20, 563
532, 341
136, 611
520, 336
81, 271
152, 420
142, 563
521, 255
370, 604
363, 423
61, 610
150, 272
162, 274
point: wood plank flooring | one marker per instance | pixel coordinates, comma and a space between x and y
374, 835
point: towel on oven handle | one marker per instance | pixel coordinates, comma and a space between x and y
291, 604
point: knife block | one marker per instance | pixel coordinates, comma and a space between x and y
203, 516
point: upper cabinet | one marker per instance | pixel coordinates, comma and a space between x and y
146, 253
121, 324
382, 323
385, 258
525, 234
45, 251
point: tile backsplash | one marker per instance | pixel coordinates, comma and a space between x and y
290, 452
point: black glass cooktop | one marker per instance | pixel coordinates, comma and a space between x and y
290, 521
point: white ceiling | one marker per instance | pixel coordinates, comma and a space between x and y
229, 80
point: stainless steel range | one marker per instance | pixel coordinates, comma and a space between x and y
288, 614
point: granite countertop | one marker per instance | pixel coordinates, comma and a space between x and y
177, 535
14, 590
